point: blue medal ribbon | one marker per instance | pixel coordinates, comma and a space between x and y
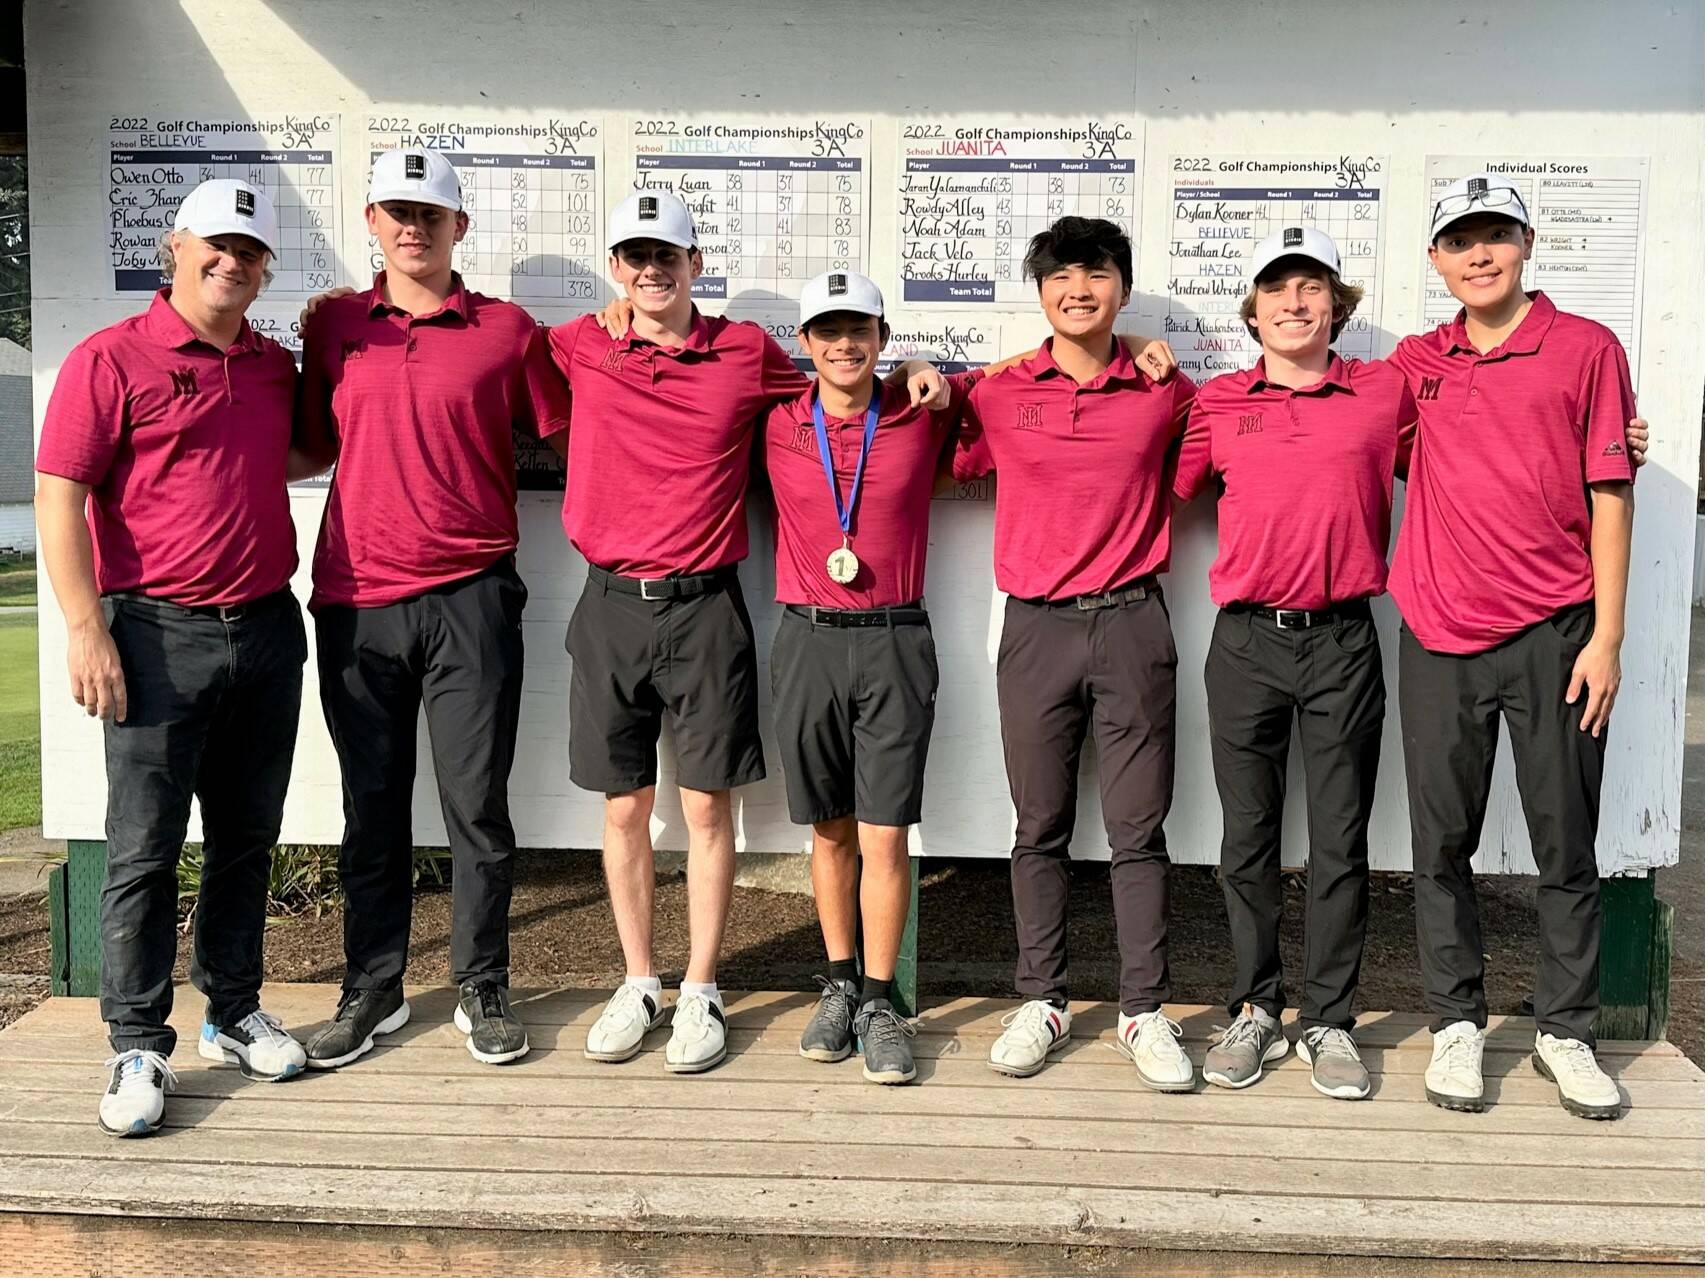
845, 512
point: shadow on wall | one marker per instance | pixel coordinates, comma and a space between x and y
773, 56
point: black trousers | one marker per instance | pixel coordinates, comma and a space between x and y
213, 708
1450, 707
457, 650
1330, 680
1059, 674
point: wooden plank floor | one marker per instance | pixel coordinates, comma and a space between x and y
419, 1134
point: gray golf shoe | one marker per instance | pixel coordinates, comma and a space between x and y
1248, 1045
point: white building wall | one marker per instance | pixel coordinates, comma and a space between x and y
1401, 81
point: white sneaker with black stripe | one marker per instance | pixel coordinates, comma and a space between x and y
1151, 1040
1033, 1033
621, 1027
699, 1037
135, 1098
257, 1045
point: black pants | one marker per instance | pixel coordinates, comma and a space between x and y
1329, 678
458, 650
1450, 707
1060, 673
213, 707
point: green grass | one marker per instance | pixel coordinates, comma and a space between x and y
17, 580
20, 724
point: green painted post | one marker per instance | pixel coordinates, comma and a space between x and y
906, 968
1625, 957
85, 871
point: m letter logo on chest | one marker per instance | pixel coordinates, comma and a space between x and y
1249, 424
353, 348
1430, 387
1029, 417
183, 382
612, 362
804, 439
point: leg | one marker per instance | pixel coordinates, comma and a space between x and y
1343, 714
710, 876
174, 668
1559, 770
1039, 681
1133, 677
885, 895
1449, 709
471, 685
370, 690
835, 885
245, 772
1250, 675
631, 873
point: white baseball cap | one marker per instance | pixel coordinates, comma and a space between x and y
417, 175
653, 215
229, 206
1478, 193
839, 291
1295, 241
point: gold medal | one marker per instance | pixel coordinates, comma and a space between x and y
843, 564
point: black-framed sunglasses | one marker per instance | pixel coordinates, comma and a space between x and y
1496, 197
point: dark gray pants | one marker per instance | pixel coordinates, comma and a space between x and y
1060, 673
1450, 707
1330, 680
457, 649
213, 707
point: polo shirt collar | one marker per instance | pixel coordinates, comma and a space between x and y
164, 325
894, 400
698, 341
455, 304
1042, 365
1524, 341
1336, 377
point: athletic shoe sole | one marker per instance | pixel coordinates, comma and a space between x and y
695, 1067
1022, 1071
826, 1054
616, 1058
141, 1127
1461, 1104
1275, 1052
889, 1077
487, 1058
395, 1021
1345, 1092
1599, 1113
210, 1050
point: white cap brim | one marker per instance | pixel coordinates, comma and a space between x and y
413, 195
208, 229
840, 305
662, 237
1509, 212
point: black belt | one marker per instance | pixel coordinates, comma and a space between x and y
1130, 592
1307, 619
658, 589
225, 612
900, 615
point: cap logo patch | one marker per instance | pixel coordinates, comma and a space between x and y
1477, 186
837, 285
414, 167
1293, 237
245, 203
648, 208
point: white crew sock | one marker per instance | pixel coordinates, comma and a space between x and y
650, 984
707, 988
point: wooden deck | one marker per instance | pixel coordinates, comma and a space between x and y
419, 1135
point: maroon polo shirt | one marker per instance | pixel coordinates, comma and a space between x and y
1084, 499
1305, 478
422, 407
890, 523
1497, 521
659, 452
184, 448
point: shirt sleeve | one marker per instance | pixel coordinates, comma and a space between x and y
971, 456
562, 341
1403, 358
1195, 461
1183, 395
315, 428
541, 407
778, 379
1607, 402
85, 420
958, 391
